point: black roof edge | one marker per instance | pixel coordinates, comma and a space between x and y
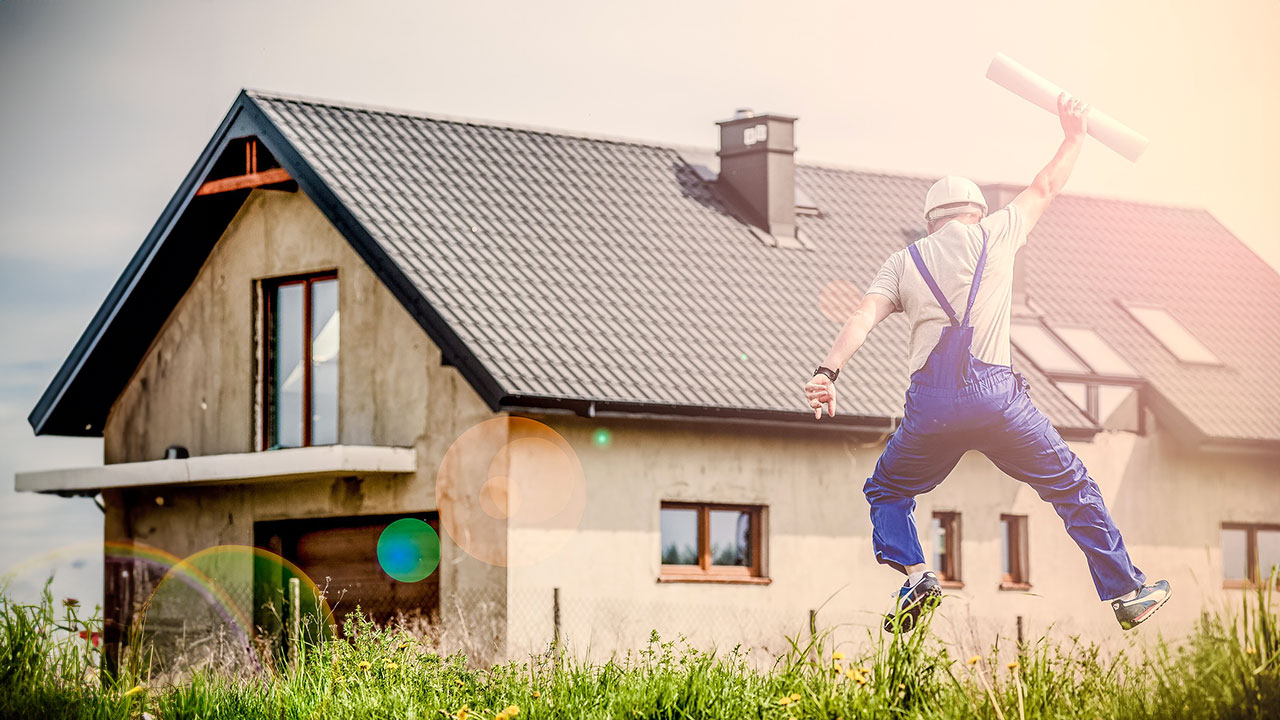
588, 408
39, 416
454, 351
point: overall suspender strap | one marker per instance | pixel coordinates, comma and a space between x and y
977, 275
933, 285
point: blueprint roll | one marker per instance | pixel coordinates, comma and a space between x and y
1034, 89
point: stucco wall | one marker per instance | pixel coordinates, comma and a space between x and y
1168, 502
196, 388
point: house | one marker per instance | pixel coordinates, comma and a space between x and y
577, 361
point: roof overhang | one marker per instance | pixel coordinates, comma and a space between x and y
310, 463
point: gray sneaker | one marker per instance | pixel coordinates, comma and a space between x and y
1132, 613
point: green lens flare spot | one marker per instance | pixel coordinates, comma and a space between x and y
602, 437
409, 550
743, 357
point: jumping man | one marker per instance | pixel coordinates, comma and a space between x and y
964, 394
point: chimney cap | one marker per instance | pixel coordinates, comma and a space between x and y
743, 113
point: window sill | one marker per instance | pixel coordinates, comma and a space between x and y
1015, 586
952, 584
716, 579
1243, 585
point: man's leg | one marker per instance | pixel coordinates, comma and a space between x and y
1030, 449
911, 464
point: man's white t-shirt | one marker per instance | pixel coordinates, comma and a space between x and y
951, 254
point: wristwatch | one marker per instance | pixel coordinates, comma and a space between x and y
831, 374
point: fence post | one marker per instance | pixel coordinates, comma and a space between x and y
555, 617
295, 621
1020, 643
813, 634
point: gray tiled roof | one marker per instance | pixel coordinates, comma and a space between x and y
608, 270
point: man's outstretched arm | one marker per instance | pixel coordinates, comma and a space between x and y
1049, 182
873, 309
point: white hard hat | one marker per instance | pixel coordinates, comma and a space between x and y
953, 195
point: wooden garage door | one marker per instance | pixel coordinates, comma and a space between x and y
341, 554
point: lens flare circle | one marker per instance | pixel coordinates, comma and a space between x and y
838, 300
511, 491
409, 550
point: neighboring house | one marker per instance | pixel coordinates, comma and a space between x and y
656, 310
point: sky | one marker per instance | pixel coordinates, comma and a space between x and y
107, 104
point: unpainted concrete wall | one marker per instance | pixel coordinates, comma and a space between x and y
1169, 503
196, 387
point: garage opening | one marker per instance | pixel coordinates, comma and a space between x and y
340, 555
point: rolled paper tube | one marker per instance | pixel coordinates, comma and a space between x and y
1038, 91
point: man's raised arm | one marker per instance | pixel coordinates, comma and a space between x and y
1031, 203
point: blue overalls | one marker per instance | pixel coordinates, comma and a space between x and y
957, 403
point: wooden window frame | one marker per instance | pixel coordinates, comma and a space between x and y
269, 288
1251, 554
1016, 536
951, 521
705, 571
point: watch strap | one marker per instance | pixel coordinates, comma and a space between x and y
824, 370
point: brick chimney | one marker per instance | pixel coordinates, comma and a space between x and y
758, 167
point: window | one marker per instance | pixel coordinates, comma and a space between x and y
1249, 552
1173, 335
945, 531
300, 381
1090, 347
1086, 369
1013, 553
702, 541
1045, 350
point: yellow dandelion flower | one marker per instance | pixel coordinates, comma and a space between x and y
536, 694
862, 680
837, 655
795, 697
459, 681
1249, 650
391, 665
463, 713
403, 646
864, 669
837, 668
974, 660
134, 690
501, 716
901, 686
512, 711
1013, 665
364, 665
784, 700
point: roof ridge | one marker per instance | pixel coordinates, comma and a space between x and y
463, 120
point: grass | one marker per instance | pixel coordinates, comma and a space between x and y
1229, 667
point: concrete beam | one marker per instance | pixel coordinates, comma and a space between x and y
327, 461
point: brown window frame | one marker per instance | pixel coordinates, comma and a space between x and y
1251, 554
1015, 535
269, 288
950, 576
705, 571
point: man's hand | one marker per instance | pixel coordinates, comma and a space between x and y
1073, 114
821, 390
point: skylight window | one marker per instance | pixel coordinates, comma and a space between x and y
1044, 349
1173, 335
1095, 351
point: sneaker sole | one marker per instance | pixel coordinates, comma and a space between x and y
1145, 614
